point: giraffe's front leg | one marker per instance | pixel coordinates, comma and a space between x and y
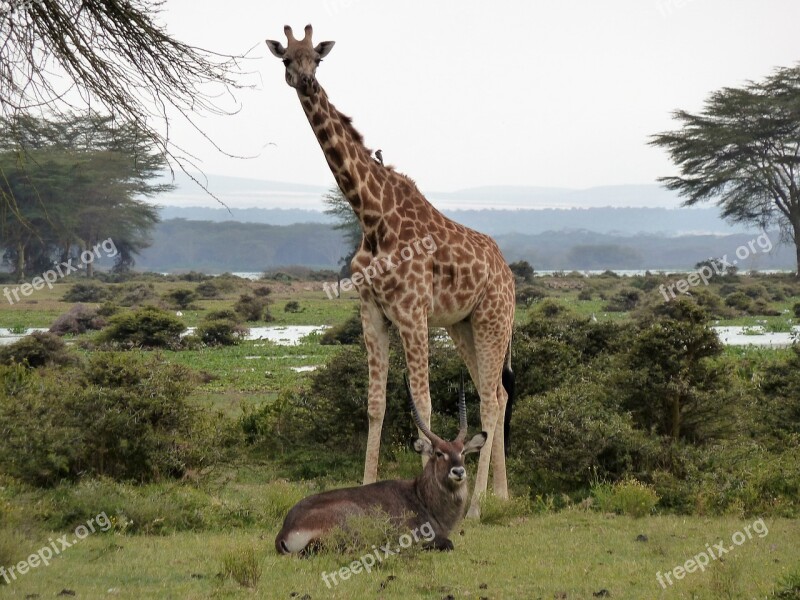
414, 335
376, 338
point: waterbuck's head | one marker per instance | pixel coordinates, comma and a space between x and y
446, 459
301, 59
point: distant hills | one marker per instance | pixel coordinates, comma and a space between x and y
239, 192
273, 224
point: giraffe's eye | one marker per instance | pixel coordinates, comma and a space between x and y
317, 60
286, 62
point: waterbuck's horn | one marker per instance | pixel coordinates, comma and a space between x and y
462, 412
417, 419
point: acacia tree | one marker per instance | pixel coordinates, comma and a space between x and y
743, 151
348, 223
114, 56
72, 183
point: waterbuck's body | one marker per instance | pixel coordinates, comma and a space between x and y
437, 497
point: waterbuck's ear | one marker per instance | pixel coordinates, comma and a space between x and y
276, 48
423, 446
476, 443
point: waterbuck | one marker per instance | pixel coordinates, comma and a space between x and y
437, 498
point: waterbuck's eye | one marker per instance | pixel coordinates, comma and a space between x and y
440, 454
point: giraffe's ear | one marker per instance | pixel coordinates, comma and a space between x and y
323, 48
276, 48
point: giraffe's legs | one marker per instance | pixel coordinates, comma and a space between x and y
376, 338
414, 335
490, 349
463, 337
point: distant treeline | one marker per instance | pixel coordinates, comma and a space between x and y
179, 245
621, 221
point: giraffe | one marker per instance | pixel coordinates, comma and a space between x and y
463, 285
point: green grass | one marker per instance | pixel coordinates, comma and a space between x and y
571, 554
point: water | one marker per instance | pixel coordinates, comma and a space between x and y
282, 335
292, 335
755, 336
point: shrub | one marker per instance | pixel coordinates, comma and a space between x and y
293, 306
123, 416
36, 350
107, 309
527, 295
86, 292
243, 566
135, 294
262, 291
363, 532
147, 327
796, 310
628, 497
573, 431
585, 295
207, 289
181, 299
252, 308
495, 511
739, 301
78, 319
624, 301
220, 331
349, 332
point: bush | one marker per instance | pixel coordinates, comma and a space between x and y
628, 497
77, 320
123, 416
574, 431
243, 566
739, 301
624, 301
293, 306
252, 308
147, 327
181, 299
363, 532
86, 292
495, 511
38, 349
207, 289
135, 294
349, 332
220, 330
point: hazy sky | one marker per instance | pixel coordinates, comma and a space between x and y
463, 93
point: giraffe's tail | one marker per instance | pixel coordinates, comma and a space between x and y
508, 384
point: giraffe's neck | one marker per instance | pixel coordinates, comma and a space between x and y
358, 176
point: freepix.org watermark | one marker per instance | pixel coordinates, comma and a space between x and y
716, 267
378, 554
701, 560
48, 278
54, 548
381, 265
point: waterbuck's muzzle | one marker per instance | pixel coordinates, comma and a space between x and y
458, 474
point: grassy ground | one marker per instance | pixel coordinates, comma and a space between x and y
571, 554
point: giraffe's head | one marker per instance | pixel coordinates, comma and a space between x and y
301, 59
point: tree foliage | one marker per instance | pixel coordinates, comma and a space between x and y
743, 150
56, 55
67, 184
